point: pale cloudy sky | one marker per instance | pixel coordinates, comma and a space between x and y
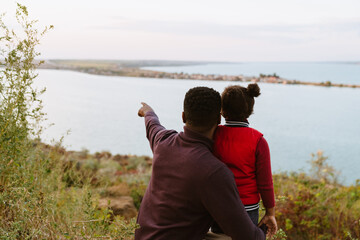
226, 30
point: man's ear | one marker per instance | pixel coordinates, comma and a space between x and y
183, 117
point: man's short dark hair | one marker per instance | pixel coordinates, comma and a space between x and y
202, 107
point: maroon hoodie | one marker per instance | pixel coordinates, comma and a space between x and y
189, 188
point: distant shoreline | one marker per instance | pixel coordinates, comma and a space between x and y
133, 69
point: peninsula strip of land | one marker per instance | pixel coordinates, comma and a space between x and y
134, 68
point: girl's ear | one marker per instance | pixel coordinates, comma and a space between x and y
183, 117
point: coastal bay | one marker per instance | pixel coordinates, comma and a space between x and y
312, 74
101, 112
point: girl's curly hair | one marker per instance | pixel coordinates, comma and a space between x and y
237, 102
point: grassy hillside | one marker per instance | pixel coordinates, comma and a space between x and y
59, 194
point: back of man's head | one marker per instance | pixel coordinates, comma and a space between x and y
202, 107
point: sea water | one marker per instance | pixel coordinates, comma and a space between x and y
296, 120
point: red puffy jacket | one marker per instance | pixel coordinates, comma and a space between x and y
236, 147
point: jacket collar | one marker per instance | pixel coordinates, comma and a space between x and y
237, 123
196, 137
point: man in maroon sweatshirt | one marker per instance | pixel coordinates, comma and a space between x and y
189, 187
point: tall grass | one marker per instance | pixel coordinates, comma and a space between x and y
36, 199
315, 206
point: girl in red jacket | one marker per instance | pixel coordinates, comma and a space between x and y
245, 151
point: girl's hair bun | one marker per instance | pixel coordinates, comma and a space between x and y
253, 90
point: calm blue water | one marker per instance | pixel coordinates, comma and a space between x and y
345, 73
101, 113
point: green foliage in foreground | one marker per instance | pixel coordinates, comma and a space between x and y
35, 200
316, 206
62, 199
20, 107
44, 206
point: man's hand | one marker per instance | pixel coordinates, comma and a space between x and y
144, 109
270, 221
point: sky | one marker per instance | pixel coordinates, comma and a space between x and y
197, 30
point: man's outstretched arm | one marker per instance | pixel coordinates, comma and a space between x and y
154, 130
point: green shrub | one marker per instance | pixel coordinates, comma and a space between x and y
137, 192
43, 195
316, 206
